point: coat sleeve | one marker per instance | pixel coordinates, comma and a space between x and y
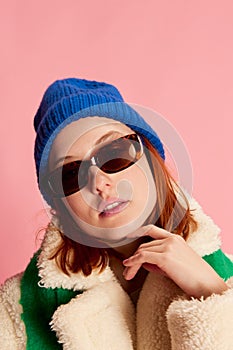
12, 332
205, 324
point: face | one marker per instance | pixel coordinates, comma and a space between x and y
110, 205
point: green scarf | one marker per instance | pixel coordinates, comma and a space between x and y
39, 303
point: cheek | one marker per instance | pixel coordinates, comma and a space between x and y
76, 203
138, 182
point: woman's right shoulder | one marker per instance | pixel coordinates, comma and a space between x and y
11, 287
12, 332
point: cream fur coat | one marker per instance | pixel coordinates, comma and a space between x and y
104, 317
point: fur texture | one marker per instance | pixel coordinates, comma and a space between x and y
12, 330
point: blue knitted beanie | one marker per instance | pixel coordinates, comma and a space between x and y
68, 100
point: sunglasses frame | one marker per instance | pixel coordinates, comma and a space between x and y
46, 182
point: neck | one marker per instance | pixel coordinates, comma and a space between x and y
125, 251
129, 249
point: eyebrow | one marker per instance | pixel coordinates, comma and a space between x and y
103, 138
107, 136
63, 158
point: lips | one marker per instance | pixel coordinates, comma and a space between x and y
112, 206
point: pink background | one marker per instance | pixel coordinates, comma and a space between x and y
173, 56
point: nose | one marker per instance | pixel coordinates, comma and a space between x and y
99, 182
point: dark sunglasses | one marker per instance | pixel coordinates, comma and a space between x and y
111, 158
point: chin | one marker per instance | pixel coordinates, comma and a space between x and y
116, 242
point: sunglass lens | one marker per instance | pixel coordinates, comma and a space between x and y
112, 158
70, 178
65, 180
118, 155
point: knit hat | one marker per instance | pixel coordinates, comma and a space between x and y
68, 100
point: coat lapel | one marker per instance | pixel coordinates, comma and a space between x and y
102, 317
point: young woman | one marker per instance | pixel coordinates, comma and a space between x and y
128, 260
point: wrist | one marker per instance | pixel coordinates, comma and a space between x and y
207, 289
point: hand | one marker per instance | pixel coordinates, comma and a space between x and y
170, 254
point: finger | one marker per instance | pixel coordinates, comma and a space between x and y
154, 243
153, 268
134, 263
130, 271
141, 254
146, 255
150, 255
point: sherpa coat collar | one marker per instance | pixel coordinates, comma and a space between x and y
103, 316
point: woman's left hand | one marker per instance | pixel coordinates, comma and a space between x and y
170, 254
